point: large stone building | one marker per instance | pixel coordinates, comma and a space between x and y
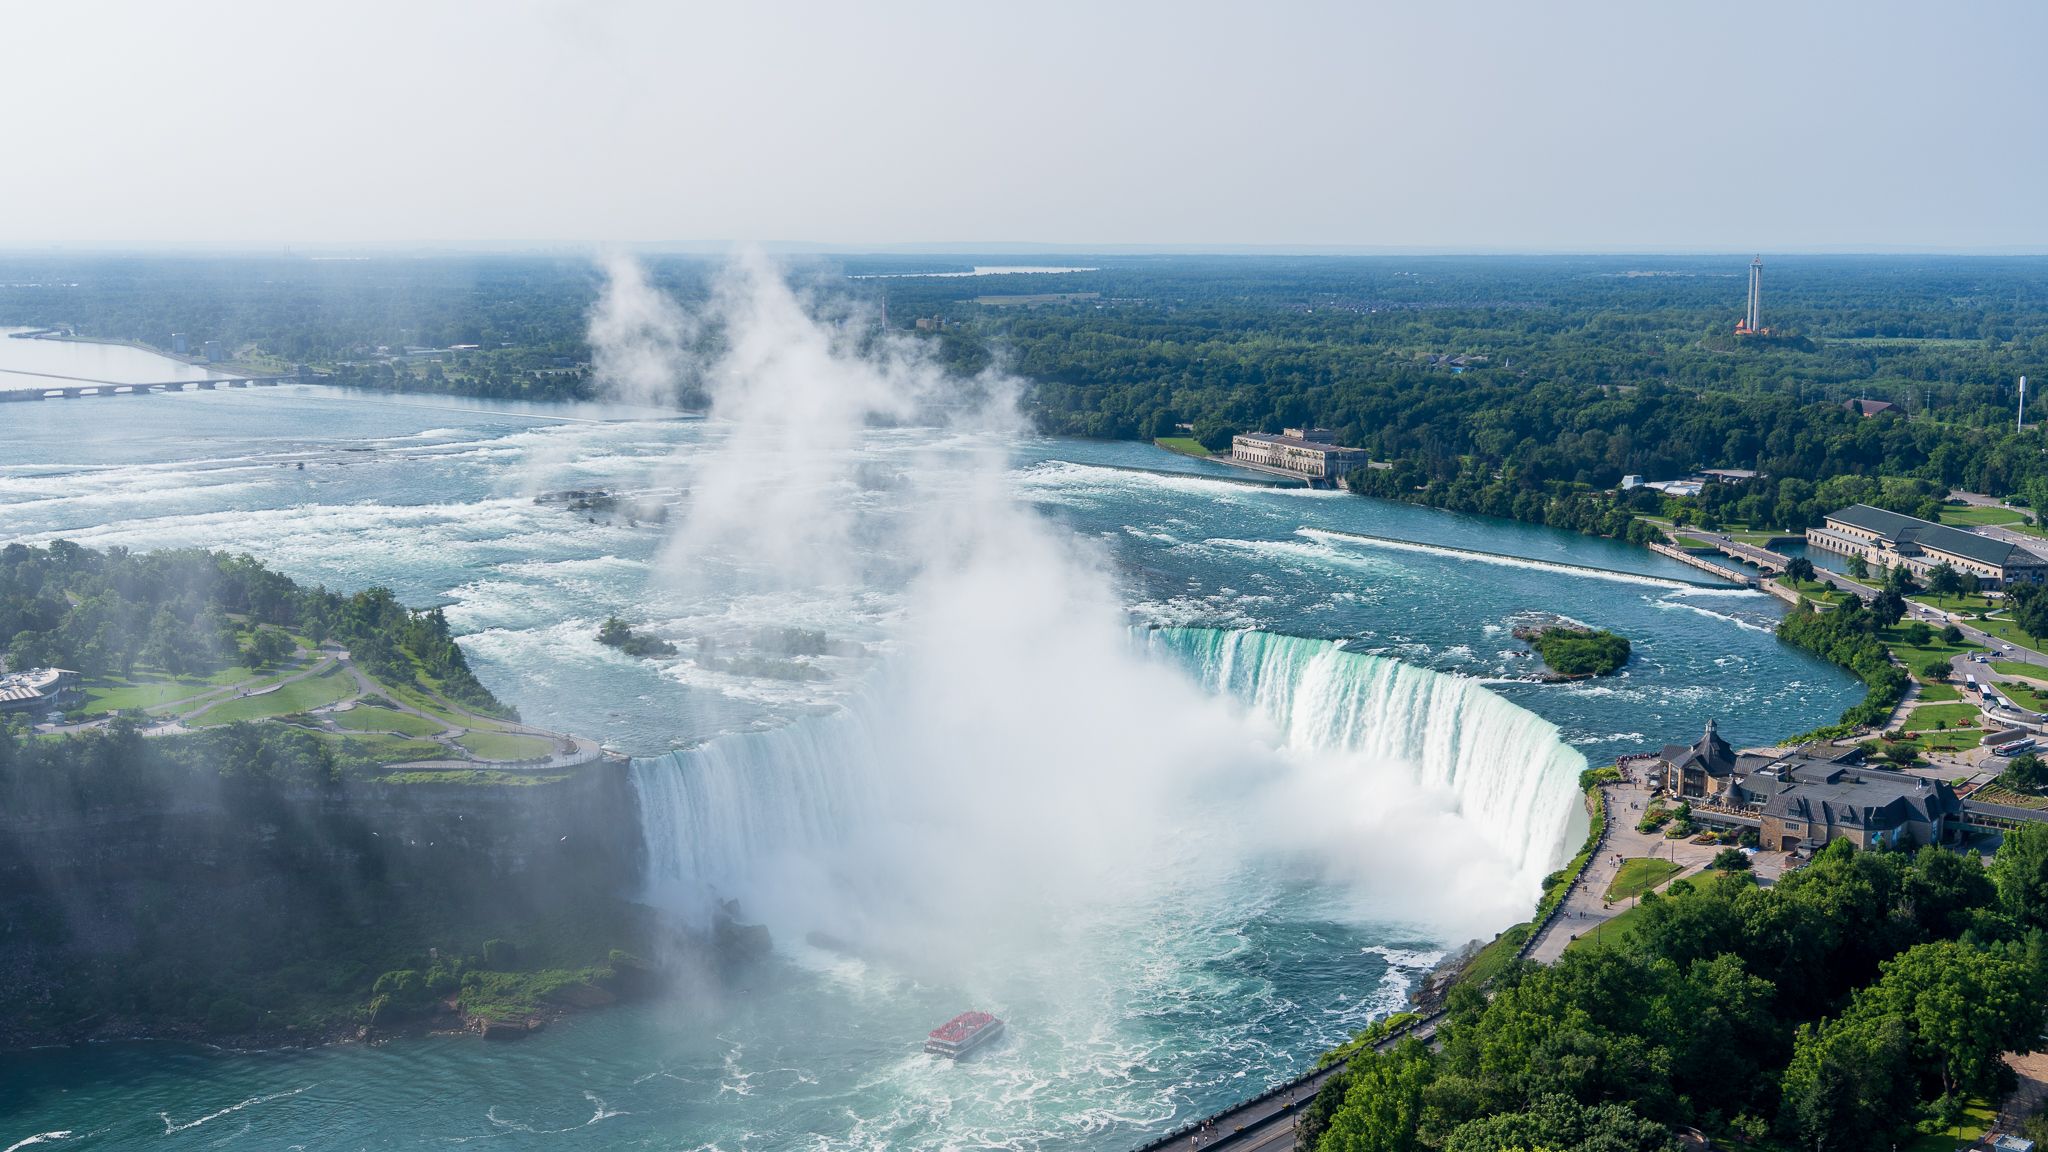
1889, 539
1802, 800
1309, 452
1806, 804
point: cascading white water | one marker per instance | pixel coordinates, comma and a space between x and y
770, 816
1507, 767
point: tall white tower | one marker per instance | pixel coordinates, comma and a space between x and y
1754, 319
2020, 424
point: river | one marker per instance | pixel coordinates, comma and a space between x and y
1373, 803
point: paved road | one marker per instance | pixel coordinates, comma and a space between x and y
1266, 1123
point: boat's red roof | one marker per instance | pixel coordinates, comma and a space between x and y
962, 1026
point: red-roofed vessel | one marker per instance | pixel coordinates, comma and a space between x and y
963, 1034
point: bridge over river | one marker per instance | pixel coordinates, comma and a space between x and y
79, 387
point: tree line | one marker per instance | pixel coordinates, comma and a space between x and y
1854, 1003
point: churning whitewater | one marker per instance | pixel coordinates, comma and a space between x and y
924, 724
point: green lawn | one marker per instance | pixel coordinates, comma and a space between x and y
2007, 631
1976, 515
1692, 542
1952, 740
1185, 445
113, 694
1616, 930
1816, 591
2017, 668
2025, 695
505, 745
1968, 605
1913, 656
1638, 875
1978, 1117
362, 719
1938, 693
1930, 716
329, 687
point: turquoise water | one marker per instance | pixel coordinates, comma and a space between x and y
1224, 963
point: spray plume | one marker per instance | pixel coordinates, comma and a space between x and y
1018, 767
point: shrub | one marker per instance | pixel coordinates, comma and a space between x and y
1729, 860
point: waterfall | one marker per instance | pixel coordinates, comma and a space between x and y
716, 816
901, 795
1507, 767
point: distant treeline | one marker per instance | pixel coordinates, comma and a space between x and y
1506, 386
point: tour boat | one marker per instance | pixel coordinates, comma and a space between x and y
963, 1034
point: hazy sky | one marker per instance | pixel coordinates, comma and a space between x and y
1578, 126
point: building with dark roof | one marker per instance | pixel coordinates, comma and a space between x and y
1806, 804
1309, 452
1890, 539
1868, 407
1705, 769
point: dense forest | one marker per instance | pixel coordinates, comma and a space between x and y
1512, 386
1856, 1000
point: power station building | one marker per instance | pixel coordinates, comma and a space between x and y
1308, 452
1890, 539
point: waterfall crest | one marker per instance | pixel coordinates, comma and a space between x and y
1507, 767
840, 810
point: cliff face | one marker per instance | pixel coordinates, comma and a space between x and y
277, 909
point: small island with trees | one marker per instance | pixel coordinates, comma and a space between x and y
616, 633
1574, 652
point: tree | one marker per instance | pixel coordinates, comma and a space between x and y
2029, 609
1849, 1085
1944, 580
2027, 773
2020, 873
1383, 1106
1859, 568
1950, 634
1971, 584
1799, 568
1918, 633
1964, 1006
1900, 579
1936, 668
1730, 860
1888, 607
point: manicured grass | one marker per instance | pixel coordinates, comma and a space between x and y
1938, 693
1951, 740
1973, 515
1930, 716
361, 719
368, 750
1817, 591
1185, 445
1914, 656
147, 691
329, 687
2007, 631
505, 745
1619, 928
1967, 605
1638, 875
2025, 695
485, 777
2016, 668
1692, 542
1978, 1117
